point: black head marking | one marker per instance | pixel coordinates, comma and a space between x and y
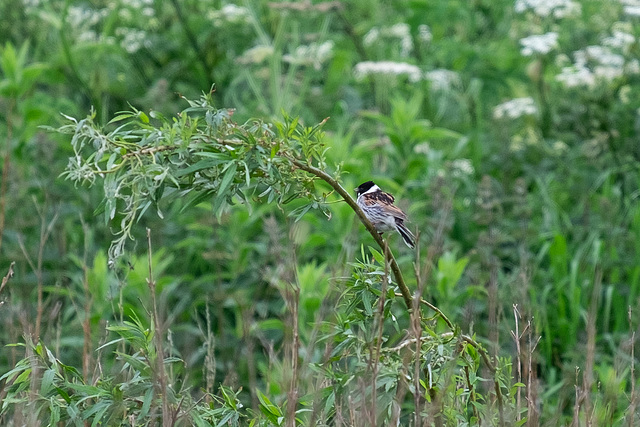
364, 187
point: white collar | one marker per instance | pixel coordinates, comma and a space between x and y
372, 189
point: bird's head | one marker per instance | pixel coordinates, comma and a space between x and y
364, 187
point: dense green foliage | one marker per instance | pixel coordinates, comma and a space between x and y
506, 130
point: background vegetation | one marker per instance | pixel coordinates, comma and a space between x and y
507, 131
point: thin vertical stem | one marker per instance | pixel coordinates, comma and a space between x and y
591, 344
6, 162
376, 358
532, 413
472, 395
516, 337
293, 300
632, 405
247, 320
88, 302
158, 338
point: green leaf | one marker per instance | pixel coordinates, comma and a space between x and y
47, 381
54, 418
199, 197
366, 301
227, 179
377, 256
143, 117
202, 164
21, 366
146, 403
271, 411
301, 211
229, 397
63, 394
100, 408
212, 155
122, 116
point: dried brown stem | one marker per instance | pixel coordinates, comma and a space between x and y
247, 322
516, 337
472, 395
532, 413
592, 315
374, 361
45, 231
293, 301
88, 303
292, 398
158, 338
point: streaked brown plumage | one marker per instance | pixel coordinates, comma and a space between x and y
384, 215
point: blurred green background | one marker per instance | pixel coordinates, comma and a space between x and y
508, 131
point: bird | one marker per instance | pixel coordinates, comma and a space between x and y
378, 207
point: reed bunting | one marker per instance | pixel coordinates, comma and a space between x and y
384, 215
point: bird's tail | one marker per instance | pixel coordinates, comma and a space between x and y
406, 234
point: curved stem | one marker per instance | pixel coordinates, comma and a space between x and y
439, 312
397, 273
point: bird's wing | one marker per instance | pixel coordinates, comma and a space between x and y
395, 211
382, 197
385, 202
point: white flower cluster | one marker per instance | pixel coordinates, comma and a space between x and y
596, 63
79, 17
515, 108
631, 7
145, 6
368, 68
230, 13
132, 39
422, 148
137, 4
442, 79
541, 44
576, 76
313, 54
256, 54
424, 33
462, 167
619, 40
543, 8
31, 5
83, 20
399, 31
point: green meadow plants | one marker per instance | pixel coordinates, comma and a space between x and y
381, 354
506, 130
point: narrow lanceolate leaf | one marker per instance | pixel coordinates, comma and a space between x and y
224, 187
202, 164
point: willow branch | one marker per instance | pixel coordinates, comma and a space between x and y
397, 273
439, 312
